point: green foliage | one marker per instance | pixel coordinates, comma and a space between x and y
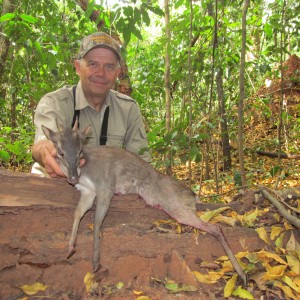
40, 50
16, 153
177, 142
237, 178
275, 170
129, 19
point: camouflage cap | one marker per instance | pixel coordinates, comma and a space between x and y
99, 40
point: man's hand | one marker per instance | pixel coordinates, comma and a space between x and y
44, 152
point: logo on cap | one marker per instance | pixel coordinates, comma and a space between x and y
99, 39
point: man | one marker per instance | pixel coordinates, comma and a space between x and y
115, 118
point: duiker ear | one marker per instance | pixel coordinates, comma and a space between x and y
50, 134
75, 124
59, 126
85, 132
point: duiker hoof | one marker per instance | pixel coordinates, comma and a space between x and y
71, 252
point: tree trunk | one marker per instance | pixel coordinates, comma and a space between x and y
167, 80
242, 94
214, 15
190, 80
280, 125
7, 7
223, 118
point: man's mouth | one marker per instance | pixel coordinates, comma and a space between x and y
100, 82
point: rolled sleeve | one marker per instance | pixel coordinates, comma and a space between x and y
53, 108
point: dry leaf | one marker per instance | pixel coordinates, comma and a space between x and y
244, 294
262, 233
88, 281
287, 280
274, 272
227, 266
179, 228
34, 288
222, 258
286, 289
275, 231
287, 225
137, 292
292, 244
226, 220
249, 218
251, 256
160, 225
211, 277
277, 217
209, 215
279, 240
209, 265
230, 285
297, 280
258, 278
293, 263
119, 285
265, 256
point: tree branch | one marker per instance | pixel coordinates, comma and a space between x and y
281, 209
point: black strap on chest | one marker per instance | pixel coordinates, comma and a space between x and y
76, 112
103, 136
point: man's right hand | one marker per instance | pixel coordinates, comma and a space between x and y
44, 152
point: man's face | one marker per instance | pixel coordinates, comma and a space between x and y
98, 71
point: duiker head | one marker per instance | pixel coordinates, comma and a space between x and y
68, 143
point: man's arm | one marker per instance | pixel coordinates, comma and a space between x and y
54, 106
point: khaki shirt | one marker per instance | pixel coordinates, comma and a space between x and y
125, 124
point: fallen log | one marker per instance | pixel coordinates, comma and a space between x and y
36, 216
280, 207
275, 155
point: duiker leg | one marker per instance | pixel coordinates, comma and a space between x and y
189, 217
102, 206
85, 203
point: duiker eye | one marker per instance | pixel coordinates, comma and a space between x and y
60, 153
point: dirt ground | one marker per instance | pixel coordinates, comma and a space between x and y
36, 216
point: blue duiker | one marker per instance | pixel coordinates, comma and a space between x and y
111, 170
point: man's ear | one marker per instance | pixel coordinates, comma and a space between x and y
77, 66
119, 71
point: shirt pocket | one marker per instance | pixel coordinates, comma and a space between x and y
116, 138
91, 139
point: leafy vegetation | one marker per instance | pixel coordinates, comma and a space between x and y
40, 40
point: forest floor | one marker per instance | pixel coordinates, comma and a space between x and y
144, 254
147, 256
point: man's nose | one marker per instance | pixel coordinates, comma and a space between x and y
100, 71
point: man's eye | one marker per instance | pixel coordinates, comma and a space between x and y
110, 67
